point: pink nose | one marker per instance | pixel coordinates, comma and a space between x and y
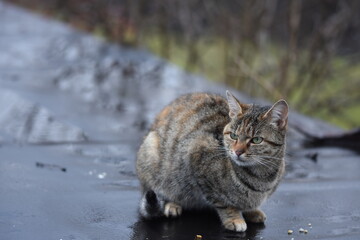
239, 152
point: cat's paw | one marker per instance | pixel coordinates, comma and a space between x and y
238, 225
172, 210
255, 216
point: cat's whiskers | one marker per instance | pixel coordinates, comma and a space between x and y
270, 164
265, 164
262, 161
265, 157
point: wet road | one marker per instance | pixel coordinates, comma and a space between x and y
73, 110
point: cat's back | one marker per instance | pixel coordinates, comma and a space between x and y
177, 130
190, 114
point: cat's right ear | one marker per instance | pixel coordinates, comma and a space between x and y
234, 105
278, 114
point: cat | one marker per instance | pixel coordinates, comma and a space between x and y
206, 151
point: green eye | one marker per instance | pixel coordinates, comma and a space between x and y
257, 140
234, 136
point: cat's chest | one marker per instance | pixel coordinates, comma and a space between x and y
242, 195
246, 192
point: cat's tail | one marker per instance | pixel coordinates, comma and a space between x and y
150, 205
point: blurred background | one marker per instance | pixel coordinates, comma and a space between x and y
305, 51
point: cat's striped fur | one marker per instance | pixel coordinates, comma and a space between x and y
206, 151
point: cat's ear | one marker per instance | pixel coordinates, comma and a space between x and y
278, 114
236, 108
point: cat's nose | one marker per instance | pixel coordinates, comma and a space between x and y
239, 152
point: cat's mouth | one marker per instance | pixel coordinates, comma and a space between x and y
242, 161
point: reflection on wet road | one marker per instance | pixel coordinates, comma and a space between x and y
73, 111
204, 223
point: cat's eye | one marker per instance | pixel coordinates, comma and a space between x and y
257, 140
234, 136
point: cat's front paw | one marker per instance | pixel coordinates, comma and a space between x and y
172, 210
255, 216
238, 225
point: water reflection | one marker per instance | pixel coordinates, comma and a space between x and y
190, 224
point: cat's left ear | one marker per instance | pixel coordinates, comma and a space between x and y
235, 107
278, 114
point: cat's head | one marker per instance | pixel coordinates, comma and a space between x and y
256, 134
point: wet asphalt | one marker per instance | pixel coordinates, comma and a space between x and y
73, 110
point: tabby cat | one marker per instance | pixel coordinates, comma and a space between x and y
206, 151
